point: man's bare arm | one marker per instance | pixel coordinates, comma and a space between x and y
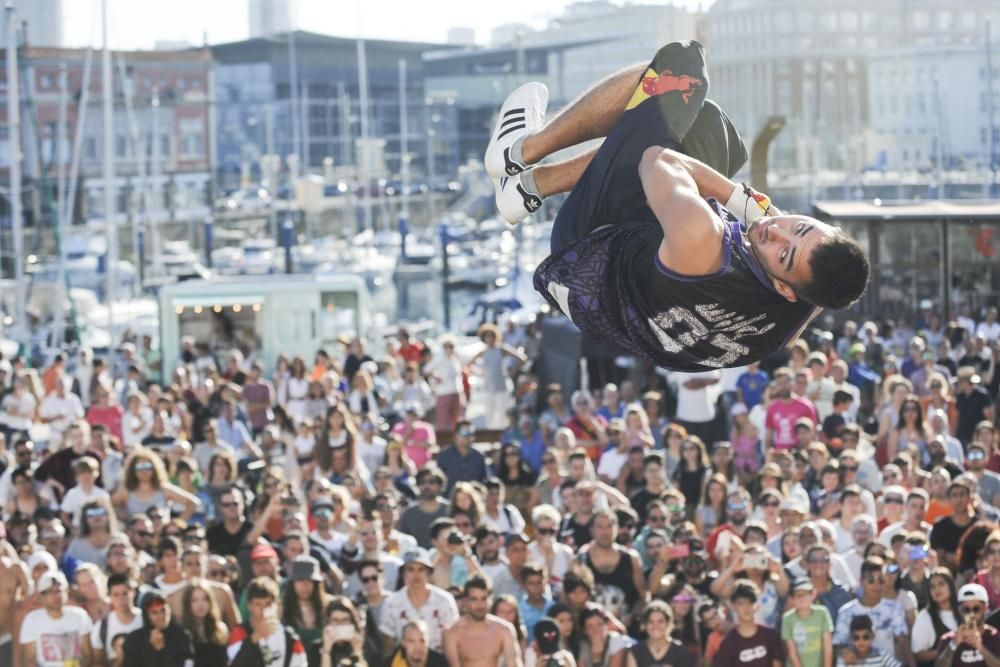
691, 231
511, 649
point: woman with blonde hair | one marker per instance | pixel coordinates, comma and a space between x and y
91, 590
146, 485
468, 499
637, 432
201, 617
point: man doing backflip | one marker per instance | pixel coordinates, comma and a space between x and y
655, 251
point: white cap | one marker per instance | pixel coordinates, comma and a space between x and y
973, 592
52, 579
42, 558
926, 304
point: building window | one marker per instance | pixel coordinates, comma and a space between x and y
44, 81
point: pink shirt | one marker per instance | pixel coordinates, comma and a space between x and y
781, 418
109, 417
415, 440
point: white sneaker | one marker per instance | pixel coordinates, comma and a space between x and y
513, 201
523, 112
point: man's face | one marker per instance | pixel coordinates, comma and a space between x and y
872, 582
193, 566
488, 548
817, 562
584, 499
916, 509
534, 586
429, 487
783, 246
973, 608
415, 575
852, 505
231, 506
517, 553
415, 646
861, 640
737, 510
168, 562
369, 531
477, 602
959, 497
371, 578
54, 598
604, 531
976, 459
264, 567
258, 608
862, 534
653, 473
577, 469
121, 598
744, 610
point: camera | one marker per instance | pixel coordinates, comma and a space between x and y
755, 562
455, 538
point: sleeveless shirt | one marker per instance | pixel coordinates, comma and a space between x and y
613, 286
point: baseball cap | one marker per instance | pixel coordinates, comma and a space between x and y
738, 409
802, 584
616, 424
263, 551
791, 505
55, 578
516, 537
39, 558
547, 635
973, 592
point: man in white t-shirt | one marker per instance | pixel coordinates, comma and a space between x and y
122, 619
85, 491
55, 635
613, 460
696, 396
60, 409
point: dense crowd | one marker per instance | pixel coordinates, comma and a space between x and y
431, 502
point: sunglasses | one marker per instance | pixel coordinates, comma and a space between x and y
323, 512
770, 503
385, 508
964, 609
861, 637
96, 511
217, 574
369, 580
892, 568
874, 579
548, 461
821, 559
366, 533
975, 455
229, 504
546, 531
893, 500
656, 518
143, 533
849, 468
737, 507
993, 552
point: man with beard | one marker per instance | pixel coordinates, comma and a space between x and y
161, 642
417, 518
479, 638
488, 552
617, 569
413, 650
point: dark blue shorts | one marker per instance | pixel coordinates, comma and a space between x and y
669, 108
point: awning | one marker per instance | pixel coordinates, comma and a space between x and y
208, 301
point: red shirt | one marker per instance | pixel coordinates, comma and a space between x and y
109, 417
411, 351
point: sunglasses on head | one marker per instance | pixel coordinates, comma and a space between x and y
144, 465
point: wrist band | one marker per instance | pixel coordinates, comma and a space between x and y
747, 204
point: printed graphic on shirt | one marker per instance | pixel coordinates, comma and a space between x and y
65, 648
678, 329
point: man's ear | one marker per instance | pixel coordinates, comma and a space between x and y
784, 289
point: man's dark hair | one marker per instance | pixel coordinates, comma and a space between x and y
168, 545
477, 582
745, 590
861, 623
120, 579
840, 272
652, 457
841, 397
439, 525
532, 570
870, 565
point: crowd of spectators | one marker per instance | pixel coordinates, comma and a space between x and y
434, 502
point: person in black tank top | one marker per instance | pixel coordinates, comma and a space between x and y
655, 252
619, 584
